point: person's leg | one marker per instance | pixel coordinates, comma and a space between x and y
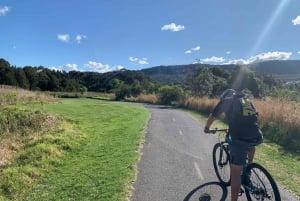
238, 158
235, 181
251, 152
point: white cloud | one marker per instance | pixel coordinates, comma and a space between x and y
63, 37
69, 67
173, 27
142, 61
80, 37
196, 48
214, 59
296, 21
101, 68
66, 67
237, 61
270, 56
192, 49
262, 57
228, 52
298, 52
4, 10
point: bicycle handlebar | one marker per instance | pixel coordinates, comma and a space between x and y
213, 131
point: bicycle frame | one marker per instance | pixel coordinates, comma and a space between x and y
225, 144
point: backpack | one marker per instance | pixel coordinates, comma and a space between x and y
243, 111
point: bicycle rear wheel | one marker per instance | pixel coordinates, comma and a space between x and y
221, 163
263, 186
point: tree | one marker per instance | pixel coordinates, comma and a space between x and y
10, 77
219, 85
243, 78
22, 79
122, 91
200, 82
4, 66
169, 94
136, 88
32, 77
83, 90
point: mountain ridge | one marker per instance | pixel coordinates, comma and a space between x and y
286, 70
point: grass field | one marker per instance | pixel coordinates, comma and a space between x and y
102, 164
92, 154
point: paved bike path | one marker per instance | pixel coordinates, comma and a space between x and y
176, 162
176, 157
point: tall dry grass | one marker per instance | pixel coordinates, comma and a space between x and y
18, 125
145, 98
279, 119
204, 104
11, 95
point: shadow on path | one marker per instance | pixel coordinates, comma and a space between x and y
211, 191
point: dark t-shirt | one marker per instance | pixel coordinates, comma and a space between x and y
237, 130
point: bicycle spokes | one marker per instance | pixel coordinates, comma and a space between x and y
261, 186
221, 163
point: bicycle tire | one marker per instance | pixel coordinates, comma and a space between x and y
266, 187
221, 163
211, 190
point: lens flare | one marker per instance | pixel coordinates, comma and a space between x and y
267, 28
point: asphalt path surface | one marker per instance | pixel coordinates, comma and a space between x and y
176, 162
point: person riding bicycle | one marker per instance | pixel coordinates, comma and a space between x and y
244, 135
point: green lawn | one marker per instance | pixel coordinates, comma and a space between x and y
93, 154
102, 167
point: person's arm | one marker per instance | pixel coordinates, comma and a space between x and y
219, 108
209, 122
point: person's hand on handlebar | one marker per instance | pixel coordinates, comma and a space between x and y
206, 130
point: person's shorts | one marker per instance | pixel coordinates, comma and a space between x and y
238, 152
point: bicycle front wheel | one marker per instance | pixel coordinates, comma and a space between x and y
221, 163
263, 186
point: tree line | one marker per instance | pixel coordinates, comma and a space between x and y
202, 81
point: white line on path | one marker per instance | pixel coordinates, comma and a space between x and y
180, 132
198, 171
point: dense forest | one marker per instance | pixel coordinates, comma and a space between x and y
196, 80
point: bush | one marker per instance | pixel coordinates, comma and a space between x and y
122, 92
170, 94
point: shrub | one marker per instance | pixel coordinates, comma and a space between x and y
170, 94
21, 122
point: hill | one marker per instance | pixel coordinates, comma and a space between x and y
176, 73
288, 70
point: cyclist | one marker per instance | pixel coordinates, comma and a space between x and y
244, 138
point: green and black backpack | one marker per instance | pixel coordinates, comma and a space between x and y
242, 110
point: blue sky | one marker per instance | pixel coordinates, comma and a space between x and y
105, 35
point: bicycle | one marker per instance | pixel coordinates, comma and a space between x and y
257, 182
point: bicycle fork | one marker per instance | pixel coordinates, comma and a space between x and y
222, 161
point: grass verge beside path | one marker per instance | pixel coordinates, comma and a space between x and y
103, 167
283, 167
